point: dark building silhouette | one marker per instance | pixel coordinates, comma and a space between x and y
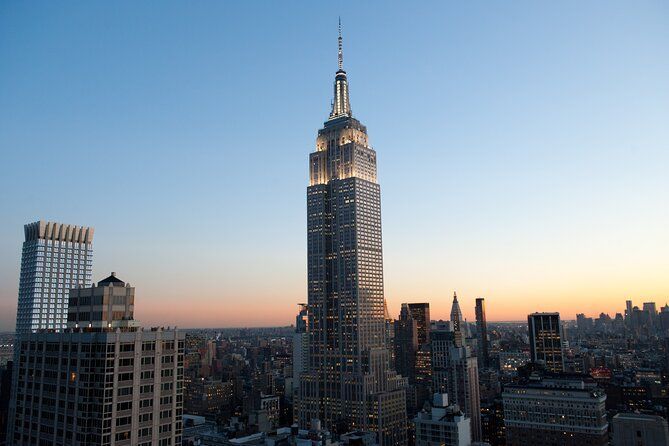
482, 331
545, 334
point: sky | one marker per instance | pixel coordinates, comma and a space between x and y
523, 149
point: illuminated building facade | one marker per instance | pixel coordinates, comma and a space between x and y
349, 384
420, 312
562, 410
56, 257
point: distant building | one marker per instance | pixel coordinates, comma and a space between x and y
266, 414
300, 354
555, 411
482, 332
546, 345
56, 257
456, 315
103, 381
420, 312
634, 429
442, 425
455, 372
206, 396
406, 344
423, 374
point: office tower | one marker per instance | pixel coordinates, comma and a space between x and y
423, 384
455, 372
208, 396
101, 381
300, 354
420, 312
564, 411
482, 331
55, 258
651, 314
406, 344
406, 347
628, 313
546, 340
663, 320
635, 429
442, 425
301, 343
349, 384
584, 324
650, 307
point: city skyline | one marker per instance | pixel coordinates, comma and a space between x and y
560, 213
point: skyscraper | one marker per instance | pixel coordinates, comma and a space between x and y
482, 331
55, 258
420, 312
350, 384
406, 344
546, 340
300, 353
455, 372
101, 381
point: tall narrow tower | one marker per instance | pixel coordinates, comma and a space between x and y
456, 314
349, 384
482, 332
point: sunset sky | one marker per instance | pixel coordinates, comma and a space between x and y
523, 149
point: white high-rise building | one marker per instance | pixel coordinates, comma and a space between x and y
56, 257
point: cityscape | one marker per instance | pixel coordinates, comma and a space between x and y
348, 368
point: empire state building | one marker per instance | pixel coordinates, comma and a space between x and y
349, 384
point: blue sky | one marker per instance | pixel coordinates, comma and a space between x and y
523, 148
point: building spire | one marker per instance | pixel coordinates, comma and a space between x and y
340, 54
456, 313
341, 105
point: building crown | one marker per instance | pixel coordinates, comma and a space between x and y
340, 104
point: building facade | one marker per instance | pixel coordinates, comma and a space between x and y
635, 429
482, 333
554, 412
350, 384
55, 258
442, 425
455, 372
420, 312
92, 385
545, 333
